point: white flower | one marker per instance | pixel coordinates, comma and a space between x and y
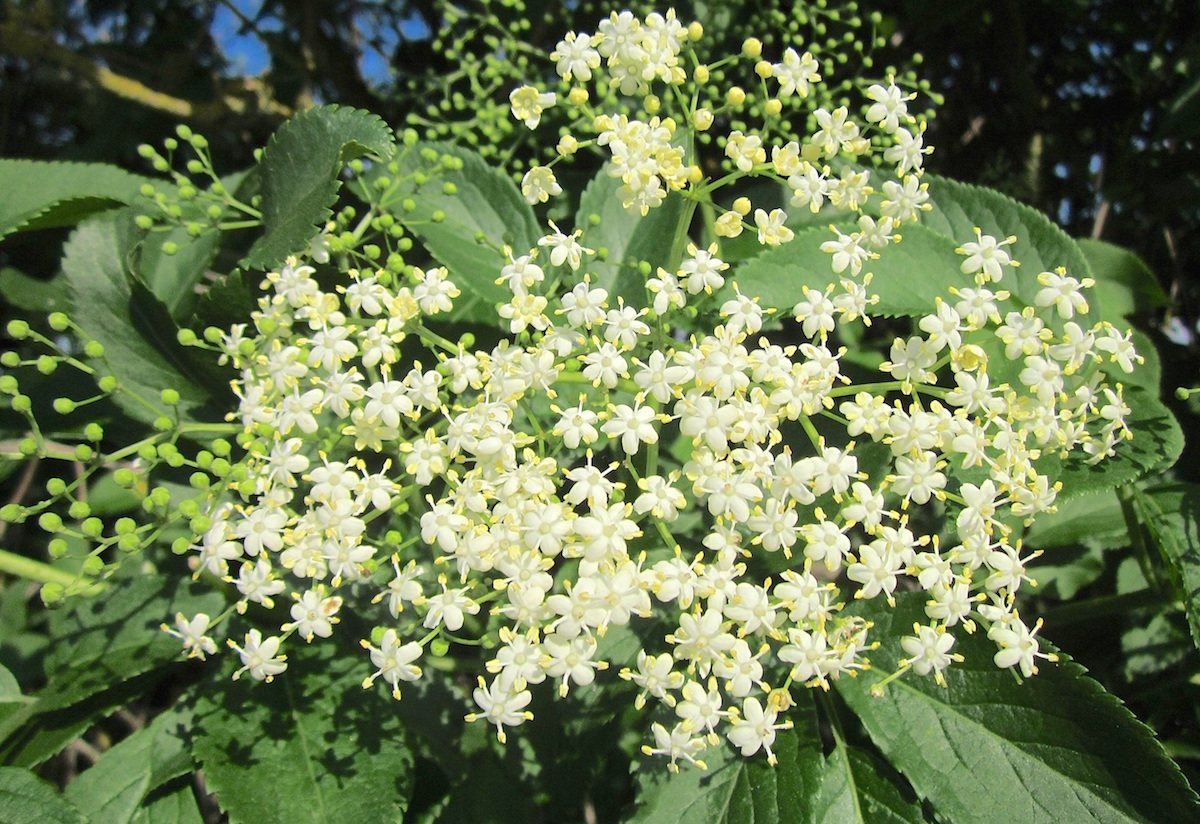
565, 248
795, 73
754, 729
528, 104
260, 657
929, 651
195, 643
503, 703
395, 661
986, 255
575, 57
539, 185
771, 231
313, 614
633, 425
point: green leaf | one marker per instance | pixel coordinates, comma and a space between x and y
27, 799
855, 788
628, 238
1172, 514
173, 278
1124, 283
313, 746
113, 788
173, 803
43, 194
1054, 748
96, 266
907, 277
1079, 519
735, 789
31, 294
486, 204
959, 208
299, 171
1157, 443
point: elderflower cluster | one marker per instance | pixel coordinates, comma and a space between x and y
657, 460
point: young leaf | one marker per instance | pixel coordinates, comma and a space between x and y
735, 789
1054, 748
299, 171
40, 194
95, 262
627, 238
27, 799
313, 746
1171, 514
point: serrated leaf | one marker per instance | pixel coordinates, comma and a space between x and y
113, 788
855, 790
907, 276
486, 203
735, 789
42, 194
1124, 283
27, 799
1157, 443
960, 208
96, 266
313, 746
628, 238
299, 175
1172, 514
1054, 748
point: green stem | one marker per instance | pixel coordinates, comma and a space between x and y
32, 570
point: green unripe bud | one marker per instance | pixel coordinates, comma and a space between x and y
79, 510
169, 396
108, 384
195, 167
170, 247
189, 508
146, 189
18, 329
146, 150
438, 647
8, 384
449, 188
221, 447
180, 545
52, 593
199, 480
46, 364
50, 522
27, 447
10, 360
438, 216
186, 337
408, 204
124, 526
92, 527
204, 459
129, 543
12, 513
220, 467
125, 477
93, 565
84, 453
93, 349
59, 322
163, 424
56, 487
372, 251
161, 496
201, 524
148, 453
144, 221
64, 406
58, 548
21, 403
199, 141
170, 144
93, 432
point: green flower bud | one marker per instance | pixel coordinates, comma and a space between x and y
163, 424
93, 349
18, 329
92, 527
84, 453
59, 322
180, 545
124, 526
107, 384
79, 510
12, 513
64, 406
125, 477
52, 594
93, 432
21, 404
46, 364
169, 396
10, 360
50, 522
